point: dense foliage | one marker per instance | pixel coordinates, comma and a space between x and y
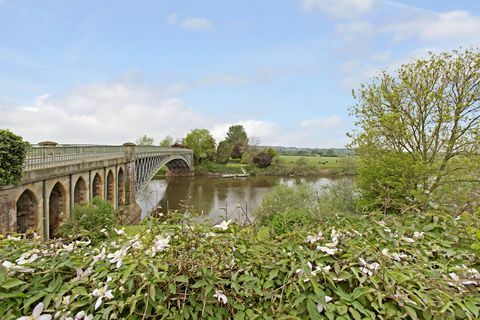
426, 119
262, 160
166, 142
346, 267
202, 143
145, 140
224, 151
91, 220
12, 154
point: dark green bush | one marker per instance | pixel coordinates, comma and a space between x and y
92, 220
12, 155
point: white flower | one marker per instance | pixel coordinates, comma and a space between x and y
368, 268
407, 239
321, 307
417, 235
82, 315
119, 232
382, 223
102, 293
13, 267
23, 259
315, 238
210, 234
102, 255
220, 296
160, 244
223, 225
117, 256
69, 247
9, 237
330, 251
37, 314
387, 229
81, 274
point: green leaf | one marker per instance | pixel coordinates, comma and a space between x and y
183, 278
11, 283
312, 310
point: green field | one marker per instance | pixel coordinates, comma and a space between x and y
322, 162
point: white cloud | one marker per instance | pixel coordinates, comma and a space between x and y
197, 24
342, 9
191, 23
453, 25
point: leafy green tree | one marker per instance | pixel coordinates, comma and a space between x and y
238, 138
202, 143
144, 140
167, 142
224, 150
12, 155
418, 130
271, 152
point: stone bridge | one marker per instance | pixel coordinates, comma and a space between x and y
58, 177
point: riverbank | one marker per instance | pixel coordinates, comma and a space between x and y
284, 166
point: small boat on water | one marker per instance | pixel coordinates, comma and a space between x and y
236, 175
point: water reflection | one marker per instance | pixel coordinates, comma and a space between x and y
215, 198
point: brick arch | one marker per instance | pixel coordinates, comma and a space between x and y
80, 192
110, 187
97, 186
57, 207
26, 208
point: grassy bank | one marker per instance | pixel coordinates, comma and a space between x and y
286, 166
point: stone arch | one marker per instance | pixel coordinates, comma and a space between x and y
57, 206
97, 186
26, 212
121, 187
80, 192
110, 187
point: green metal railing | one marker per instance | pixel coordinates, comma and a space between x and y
41, 156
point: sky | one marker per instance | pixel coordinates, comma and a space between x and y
107, 72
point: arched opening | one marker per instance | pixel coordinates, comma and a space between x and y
56, 209
110, 188
80, 192
26, 212
97, 186
121, 187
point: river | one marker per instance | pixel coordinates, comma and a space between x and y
214, 199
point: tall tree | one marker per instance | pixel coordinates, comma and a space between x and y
202, 143
144, 140
238, 138
418, 131
12, 154
224, 151
167, 142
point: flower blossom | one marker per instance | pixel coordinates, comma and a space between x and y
102, 293
418, 235
223, 225
330, 251
117, 256
407, 239
321, 307
315, 238
23, 259
102, 255
82, 315
13, 267
83, 274
220, 296
119, 232
160, 244
368, 268
37, 314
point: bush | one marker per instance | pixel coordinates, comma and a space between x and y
262, 160
415, 266
92, 221
283, 199
12, 155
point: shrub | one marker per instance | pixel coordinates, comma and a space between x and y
12, 155
92, 220
262, 160
415, 266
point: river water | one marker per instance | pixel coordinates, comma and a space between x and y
214, 199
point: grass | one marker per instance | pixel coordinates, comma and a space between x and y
321, 162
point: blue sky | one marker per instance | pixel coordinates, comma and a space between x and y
110, 71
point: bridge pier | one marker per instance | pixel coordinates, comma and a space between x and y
58, 177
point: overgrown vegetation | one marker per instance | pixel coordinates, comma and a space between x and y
93, 221
344, 267
418, 133
12, 155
